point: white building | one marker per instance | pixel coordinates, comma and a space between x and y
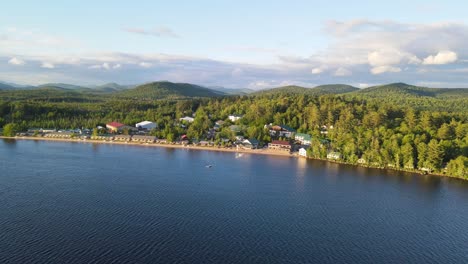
303, 152
148, 125
187, 119
234, 118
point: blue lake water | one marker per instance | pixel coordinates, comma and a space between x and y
90, 203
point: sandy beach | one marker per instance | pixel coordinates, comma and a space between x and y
168, 145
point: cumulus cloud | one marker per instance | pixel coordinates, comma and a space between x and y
443, 57
105, 66
342, 72
47, 65
145, 64
16, 61
385, 68
316, 70
161, 31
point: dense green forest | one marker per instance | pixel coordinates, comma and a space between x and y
395, 126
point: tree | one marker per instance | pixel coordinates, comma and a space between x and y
458, 167
10, 130
434, 154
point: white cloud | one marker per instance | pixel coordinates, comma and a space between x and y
16, 61
443, 57
161, 31
385, 68
316, 70
391, 57
342, 72
105, 66
117, 66
47, 65
145, 64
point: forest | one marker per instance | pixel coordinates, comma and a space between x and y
383, 129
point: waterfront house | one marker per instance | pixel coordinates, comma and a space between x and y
305, 139
250, 143
115, 126
103, 137
334, 155
63, 135
146, 125
280, 145
303, 152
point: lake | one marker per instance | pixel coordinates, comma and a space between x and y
94, 203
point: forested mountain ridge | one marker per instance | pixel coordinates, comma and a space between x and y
163, 90
406, 90
315, 91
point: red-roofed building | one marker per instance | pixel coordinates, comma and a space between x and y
280, 145
115, 126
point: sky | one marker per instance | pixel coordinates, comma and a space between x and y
235, 44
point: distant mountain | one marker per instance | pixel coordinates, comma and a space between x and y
404, 90
233, 91
112, 87
316, 91
63, 85
162, 90
334, 89
4, 86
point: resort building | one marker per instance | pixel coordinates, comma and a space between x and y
305, 139
281, 131
125, 138
187, 119
146, 125
115, 126
280, 145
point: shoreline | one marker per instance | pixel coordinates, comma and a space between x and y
232, 150
167, 145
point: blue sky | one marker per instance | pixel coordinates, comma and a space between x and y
254, 44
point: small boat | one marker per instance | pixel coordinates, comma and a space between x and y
209, 166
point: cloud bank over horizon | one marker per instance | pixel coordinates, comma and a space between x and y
359, 52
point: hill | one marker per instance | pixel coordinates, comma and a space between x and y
162, 90
403, 90
316, 91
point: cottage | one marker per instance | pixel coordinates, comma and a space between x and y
115, 126
235, 128
219, 122
204, 143
146, 125
234, 118
187, 119
305, 139
334, 155
103, 137
280, 145
143, 139
250, 143
303, 152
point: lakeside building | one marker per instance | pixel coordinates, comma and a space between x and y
115, 126
303, 152
250, 143
280, 145
146, 125
305, 139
